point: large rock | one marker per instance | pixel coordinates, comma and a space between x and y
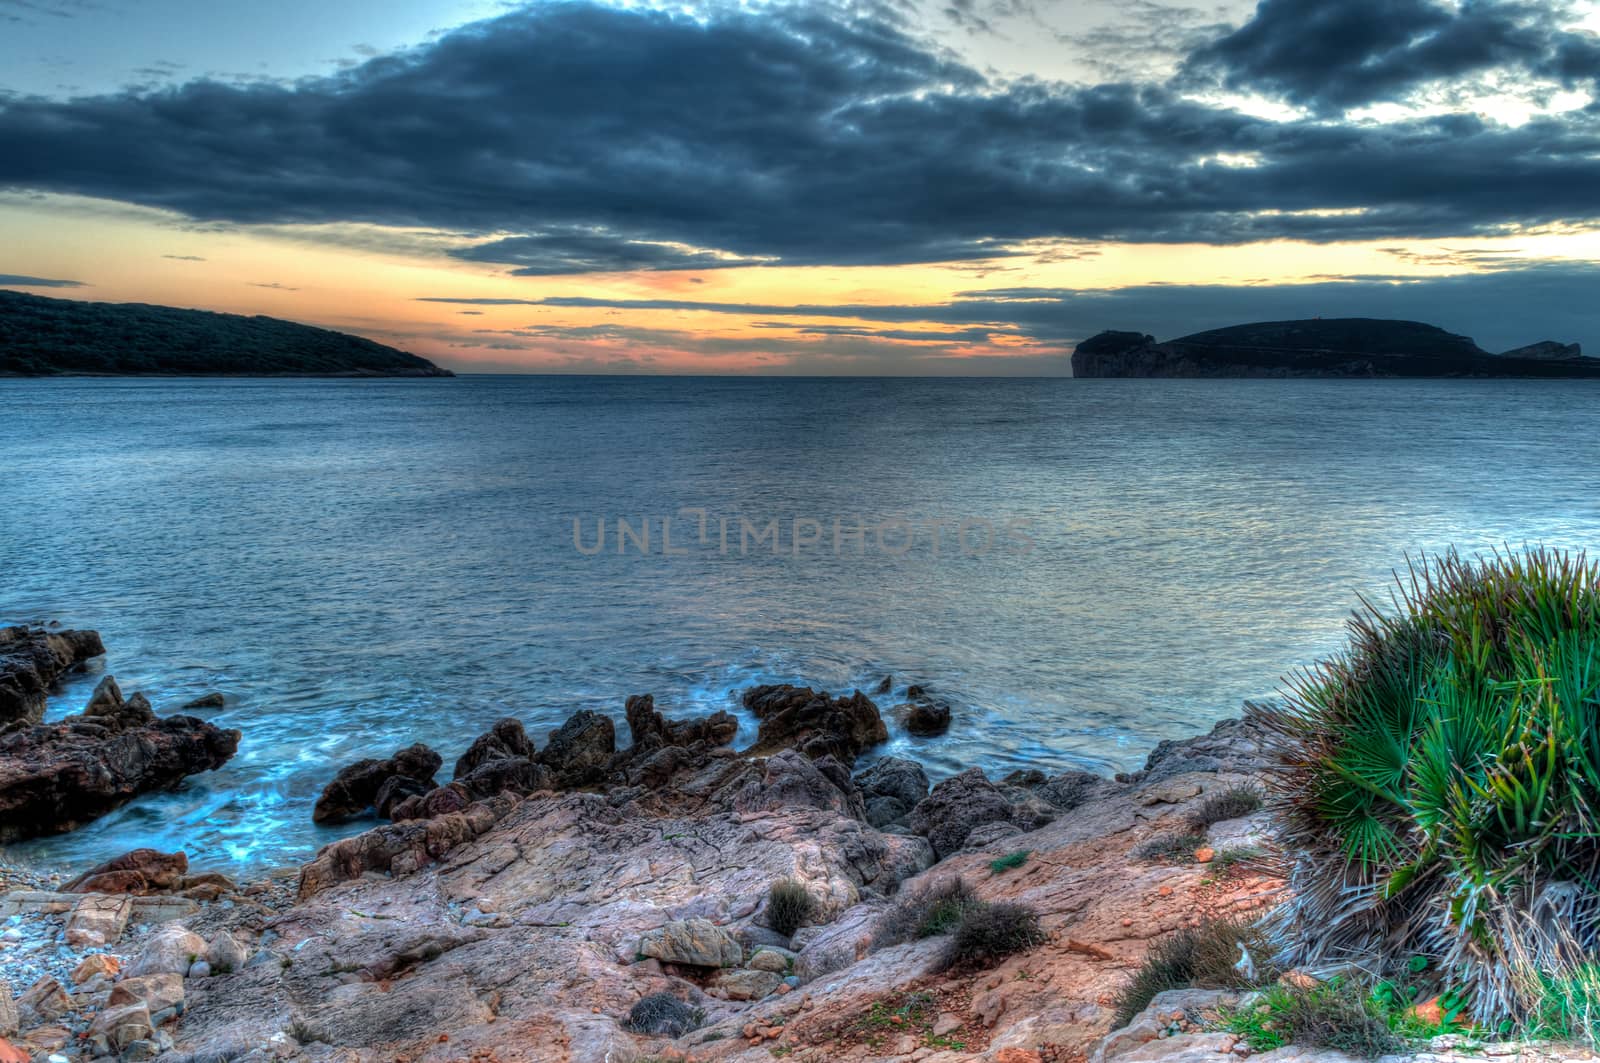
814, 723
692, 942
650, 730
896, 777
506, 739
140, 871
792, 780
56, 777
355, 788
954, 808
580, 749
170, 950
30, 660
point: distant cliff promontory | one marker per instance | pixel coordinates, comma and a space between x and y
47, 337
1352, 347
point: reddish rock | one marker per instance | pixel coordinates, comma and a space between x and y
31, 659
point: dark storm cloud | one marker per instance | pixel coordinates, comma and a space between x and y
1337, 54
580, 138
17, 280
1553, 300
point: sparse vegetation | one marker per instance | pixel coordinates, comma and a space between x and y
1170, 848
1229, 804
789, 906
1335, 1014
1204, 957
663, 1013
990, 932
934, 909
1442, 779
1010, 861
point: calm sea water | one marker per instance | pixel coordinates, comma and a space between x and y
359, 565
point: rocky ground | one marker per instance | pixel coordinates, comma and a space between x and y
523, 910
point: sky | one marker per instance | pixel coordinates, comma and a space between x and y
939, 187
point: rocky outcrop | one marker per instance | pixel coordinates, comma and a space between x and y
31, 659
377, 784
814, 723
55, 777
1364, 347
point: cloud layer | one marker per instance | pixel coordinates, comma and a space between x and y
578, 138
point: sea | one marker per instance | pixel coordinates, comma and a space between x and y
1081, 568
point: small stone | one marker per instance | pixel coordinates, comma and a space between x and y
123, 1025
157, 992
1204, 855
200, 969
947, 1024
170, 950
95, 966
905, 1045
768, 960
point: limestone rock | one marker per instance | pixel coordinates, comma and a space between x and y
122, 1025
904, 780
170, 950
43, 1001
9, 1021
98, 920
694, 942
225, 953
743, 983
157, 992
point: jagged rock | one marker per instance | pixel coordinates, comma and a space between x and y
393, 790
158, 992
814, 723
925, 718
30, 660
882, 811
580, 749
355, 788
139, 871
955, 807
650, 730
506, 738
213, 700
122, 1025
106, 699
55, 777
894, 777
95, 965
692, 942
43, 1001
793, 780
885, 685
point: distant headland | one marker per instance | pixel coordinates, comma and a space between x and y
53, 337
1336, 347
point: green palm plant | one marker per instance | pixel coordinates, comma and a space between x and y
1440, 779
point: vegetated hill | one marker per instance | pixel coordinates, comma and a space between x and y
1334, 347
44, 337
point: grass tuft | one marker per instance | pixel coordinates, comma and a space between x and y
665, 1014
789, 906
1010, 861
1170, 848
933, 909
1337, 1015
988, 933
1229, 804
1202, 957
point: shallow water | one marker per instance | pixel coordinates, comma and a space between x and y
363, 564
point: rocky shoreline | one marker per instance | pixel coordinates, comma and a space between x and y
675, 899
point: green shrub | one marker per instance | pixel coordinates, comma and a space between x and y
933, 909
789, 905
1170, 848
663, 1013
990, 932
1202, 957
1229, 804
1010, 861
1337, 1015
1442, 777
